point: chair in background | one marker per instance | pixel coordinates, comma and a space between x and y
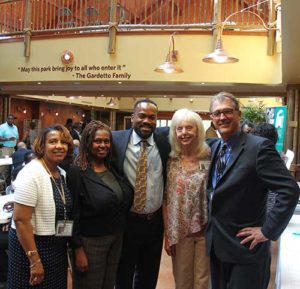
92, 16
9, 190
121, 13
2, 182
65, 18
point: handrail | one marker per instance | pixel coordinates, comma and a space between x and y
168, 15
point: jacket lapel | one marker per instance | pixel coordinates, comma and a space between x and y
122, 146
93, 177
214, 152
237, 149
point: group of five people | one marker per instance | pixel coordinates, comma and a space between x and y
132, 188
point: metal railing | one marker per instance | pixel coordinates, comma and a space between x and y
54, 16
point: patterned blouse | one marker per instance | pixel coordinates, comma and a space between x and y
185, 199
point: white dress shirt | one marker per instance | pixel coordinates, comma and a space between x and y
154, 194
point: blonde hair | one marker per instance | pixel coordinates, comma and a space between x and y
201, 149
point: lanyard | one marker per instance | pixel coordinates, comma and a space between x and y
60, 190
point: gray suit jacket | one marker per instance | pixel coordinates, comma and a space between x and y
240, 196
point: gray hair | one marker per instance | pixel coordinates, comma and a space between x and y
222, 96
184, 114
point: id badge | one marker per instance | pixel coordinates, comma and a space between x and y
64, 228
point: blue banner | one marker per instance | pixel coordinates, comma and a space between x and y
278, 117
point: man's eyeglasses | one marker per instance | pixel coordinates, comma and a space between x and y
226, 112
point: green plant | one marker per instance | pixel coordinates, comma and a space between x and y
254, 113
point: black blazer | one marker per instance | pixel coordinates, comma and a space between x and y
120, 143
240, 196
97, 210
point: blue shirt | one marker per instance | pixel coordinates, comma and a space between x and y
7, 131
230, 143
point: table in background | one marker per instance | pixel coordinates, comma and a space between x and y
5, 161
288, 276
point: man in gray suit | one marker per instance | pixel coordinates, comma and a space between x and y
244, 168
142, 244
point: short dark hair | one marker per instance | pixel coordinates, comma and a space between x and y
40, 141
266, 130
77, 125
145, 100
69, 121
28, 156
223, 95
11, 116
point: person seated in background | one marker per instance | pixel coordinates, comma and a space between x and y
247, 126
28, 157
18, 155
101, 203
9, 206
76, 144
185, 203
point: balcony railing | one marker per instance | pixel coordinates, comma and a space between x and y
72, 16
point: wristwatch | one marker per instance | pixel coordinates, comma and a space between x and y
31, 253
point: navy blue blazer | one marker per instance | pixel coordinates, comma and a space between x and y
120, 143
240, 196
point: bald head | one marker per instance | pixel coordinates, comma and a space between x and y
76, 143
21, 145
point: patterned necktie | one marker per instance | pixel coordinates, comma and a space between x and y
221, 161
141, 179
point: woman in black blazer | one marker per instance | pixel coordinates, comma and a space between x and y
101, 202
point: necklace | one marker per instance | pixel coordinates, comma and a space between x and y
61, 189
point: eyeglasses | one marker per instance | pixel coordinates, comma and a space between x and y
228, 112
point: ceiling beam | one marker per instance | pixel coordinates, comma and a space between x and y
136, 88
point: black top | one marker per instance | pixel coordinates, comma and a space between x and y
97, 209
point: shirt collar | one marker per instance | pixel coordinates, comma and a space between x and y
230, 142
136, 139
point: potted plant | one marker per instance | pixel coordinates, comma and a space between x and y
254, 113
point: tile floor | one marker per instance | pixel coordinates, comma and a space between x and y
165, 279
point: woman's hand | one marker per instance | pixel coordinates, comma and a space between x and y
81, 261
171, 250
36, 273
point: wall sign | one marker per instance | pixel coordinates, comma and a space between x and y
86, 72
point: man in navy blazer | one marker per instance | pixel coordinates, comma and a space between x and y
143, 238
239, 230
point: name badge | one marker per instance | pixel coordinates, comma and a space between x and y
64, 228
